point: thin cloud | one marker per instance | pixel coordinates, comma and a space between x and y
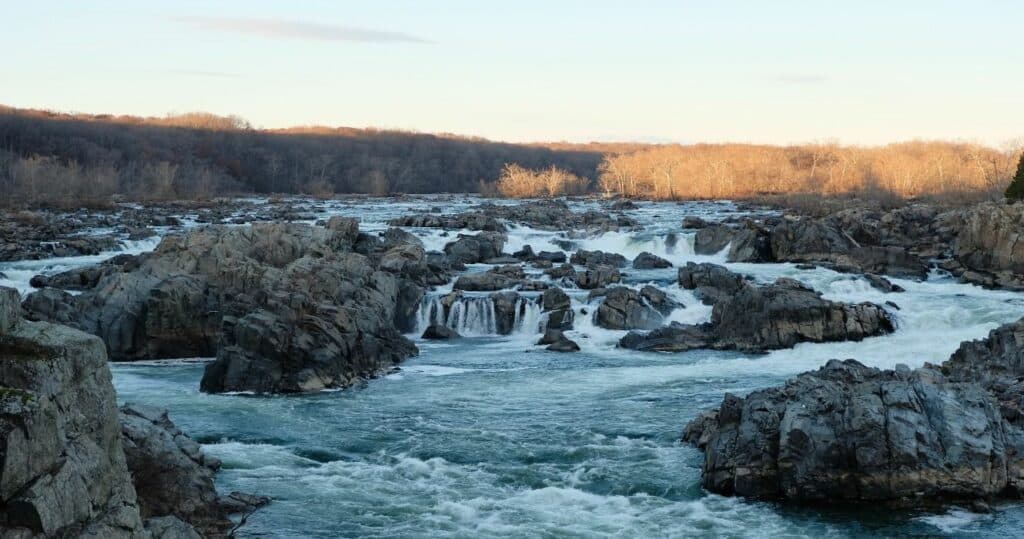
801, 79
297, 30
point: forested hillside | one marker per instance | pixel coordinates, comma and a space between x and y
47, 157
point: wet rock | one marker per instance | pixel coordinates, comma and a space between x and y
693, 223
596, 277
624, 308
751, 243
711, 283
557, 272
557, 304
881, 283
508, 307
712, 239
989, 245
658, 299
593, 259
471, 221
558, 342
647, 260
759, 318
438, 332
555, 257
475, 249
486, 281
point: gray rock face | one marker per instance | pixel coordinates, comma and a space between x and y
557, 304
488, 281
63, 469
624, 308
475, 249
556, 341
751, 243
989, 247
759, 318
171, 474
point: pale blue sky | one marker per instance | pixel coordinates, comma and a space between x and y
750, 71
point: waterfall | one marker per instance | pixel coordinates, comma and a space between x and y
527, 317
478, 316
471, 316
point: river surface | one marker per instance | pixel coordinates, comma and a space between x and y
491, 436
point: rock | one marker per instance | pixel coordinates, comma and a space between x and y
594, 259
989, 244
712, 239
759, 318
808, 240
596, 277
526, 253
438, 332
554, 299
693, 223
620, 205
647, 260
658, 299
508, 308
64, 471
752, 243
475, 249
551, 336
556, 257
471, 221
557, 272
711, 283
894, 261
851, 433
881, 283
171, 474
556, 215
486, 281
561, 343
170, 527
623, 308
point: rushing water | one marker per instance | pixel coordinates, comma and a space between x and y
493, 436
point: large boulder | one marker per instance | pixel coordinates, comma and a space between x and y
712, 239
856, 434
558, 305
647, 260
477, 248
597, 277
624, 308
711, 283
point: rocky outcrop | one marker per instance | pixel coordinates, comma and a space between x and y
556, 341
624, 308
989, 249
712, 239
285, 307
557, 304
439, 332
494, 279
758, 318
63, 469
556, 215
851, 433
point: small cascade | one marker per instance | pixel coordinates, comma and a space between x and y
472, 316
527, 320
481, 315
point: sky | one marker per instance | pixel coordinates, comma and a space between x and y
779, 72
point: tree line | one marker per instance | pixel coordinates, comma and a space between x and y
50, 158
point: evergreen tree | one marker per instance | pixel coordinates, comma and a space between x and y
1016, 189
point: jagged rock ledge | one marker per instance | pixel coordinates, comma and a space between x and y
851, 433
